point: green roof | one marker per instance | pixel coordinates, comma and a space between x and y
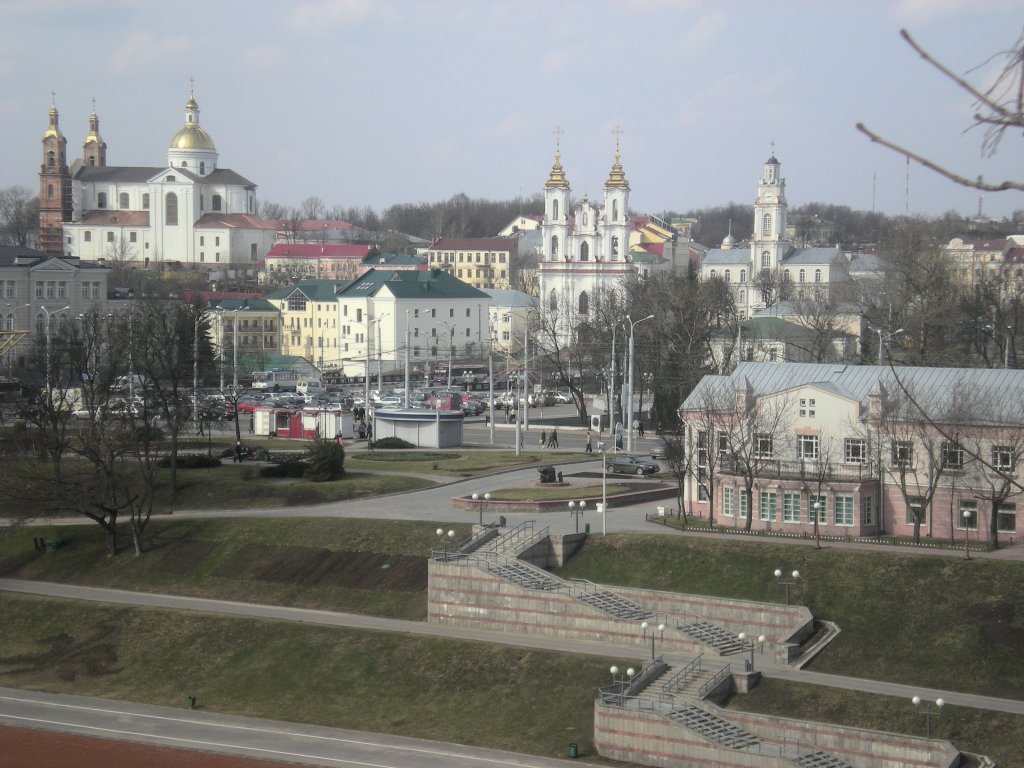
253, 305
411, 284
313, 290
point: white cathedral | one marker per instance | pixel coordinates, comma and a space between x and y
585, 252
188, 214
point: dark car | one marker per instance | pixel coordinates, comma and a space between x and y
631, 465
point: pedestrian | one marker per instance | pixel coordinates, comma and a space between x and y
590, 445
199, 431
369, 431
252, 423
640, 429
553, 440
543, 437
238, 452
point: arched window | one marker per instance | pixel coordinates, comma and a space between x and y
9, 323
584, 303
766, 260
714, 274
216, 202
51, 160
184, 163
122, 201
171, 210
785, 276
92, 159
728, 275
101, 200
584, 251
202, 168
554, 210
743, 298
553, 300
554, 246
817, 275
615, 246
766, 225
615, 210
145, 201
743, 275
49, 191
803, 276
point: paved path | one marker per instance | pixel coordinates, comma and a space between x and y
357, 621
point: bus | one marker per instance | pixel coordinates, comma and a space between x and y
277, 380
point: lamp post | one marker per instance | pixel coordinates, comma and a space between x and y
785, 583
888, 338
445, 538
817, 533
481, 501
576, 510
967, 533
928, 714
601, 446
660, 628
195, 367
742, 636
629, 394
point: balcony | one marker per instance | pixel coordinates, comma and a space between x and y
804, 469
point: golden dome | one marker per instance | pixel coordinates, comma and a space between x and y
556, 179
617, 177
192, 137
53, 131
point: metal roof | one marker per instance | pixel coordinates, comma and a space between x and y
822, 256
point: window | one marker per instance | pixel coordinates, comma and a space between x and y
554, 246
714, 274
171, 210
145, 201
39, 290
791, 507
785, 276
1006, 518
803, 276
766, 260
807, 407
615, 245
744, 503
9, 290
728, 275
584, 251
766, 225
817, 275
216, 202
728, 502
110, 237
807, 447
88, 236
49, 191
952, 456
967, 521
1002, 458
584, 303
101, 199
359, 314
122, 200
762, 446
855, 451
133, 237
297, 305
902, 453
702, 449
62, 290
844, 510
553, 300
723, 445
50, 289
867, 510
915, 510
743, 275
822, 508
554, 214
768, 505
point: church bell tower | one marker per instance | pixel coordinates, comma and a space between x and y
54, 187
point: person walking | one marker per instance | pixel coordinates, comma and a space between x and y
543, 437
590, 443
553, 440
640, 429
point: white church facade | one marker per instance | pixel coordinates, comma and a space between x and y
772, 268
189, 214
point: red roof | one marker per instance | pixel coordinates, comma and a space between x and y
474, 244
117, 218
318, 251
233, 221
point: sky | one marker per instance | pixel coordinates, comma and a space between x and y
376, 102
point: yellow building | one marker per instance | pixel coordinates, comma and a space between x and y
481, 262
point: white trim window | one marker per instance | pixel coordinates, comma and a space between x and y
769, 505
791, 507
1002, 458
844, 510
822, 502
1006, 518
867, 510
964, 522
728, 502
808, 408
902, 454
763, 446
807, 447
855, 451
744, 503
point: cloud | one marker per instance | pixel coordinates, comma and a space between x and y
142, 50
267, 58
920, 11
318, 14
704, 32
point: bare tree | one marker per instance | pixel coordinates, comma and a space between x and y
999, 108
19, 216
770, 284
707, 422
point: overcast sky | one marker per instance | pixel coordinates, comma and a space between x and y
374, 102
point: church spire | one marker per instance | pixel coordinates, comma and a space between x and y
94, 150
557, 179
617, 178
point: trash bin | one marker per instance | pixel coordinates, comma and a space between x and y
574, 750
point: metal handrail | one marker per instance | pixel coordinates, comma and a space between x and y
715, 681
513, 534
679, 678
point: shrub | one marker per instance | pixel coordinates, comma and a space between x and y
325, 461
392, 442
290, 468
192, 461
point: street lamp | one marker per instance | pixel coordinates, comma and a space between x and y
787, 584
577, 512
629, 394
967, 533
742, 636
481, 501
928, 714
888, 338
601, 446
445, 538
817, 533
660, 628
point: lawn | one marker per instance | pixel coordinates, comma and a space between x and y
470, 693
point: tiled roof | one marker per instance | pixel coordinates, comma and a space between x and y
509, 298
412, 284
733, 257
112, 173
813, 256
317, 250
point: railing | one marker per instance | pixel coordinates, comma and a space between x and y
802, 469
714, 682
680, 678
478, 539
513, 535
647, 675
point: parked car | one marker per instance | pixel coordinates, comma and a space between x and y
562, 397
659, 451
626, 464
473, 407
